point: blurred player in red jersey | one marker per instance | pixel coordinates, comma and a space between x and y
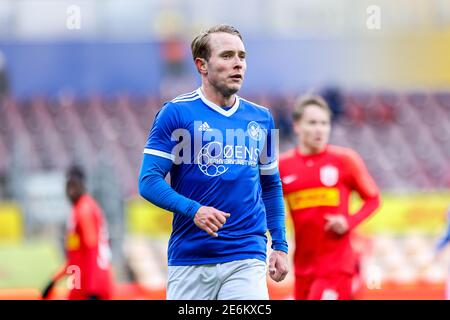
87, 248
317, 182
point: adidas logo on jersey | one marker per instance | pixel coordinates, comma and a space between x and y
204, 127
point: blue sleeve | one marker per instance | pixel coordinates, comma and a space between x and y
157, 162
272, 192
161, 141
272, 195
446, 238
156, 190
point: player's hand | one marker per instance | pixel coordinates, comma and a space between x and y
337, 223
278, 265
210, 219
47, 290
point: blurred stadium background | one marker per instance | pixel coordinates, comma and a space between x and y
88, 95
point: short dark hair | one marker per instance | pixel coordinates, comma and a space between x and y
307, 100
200, 45
75, 172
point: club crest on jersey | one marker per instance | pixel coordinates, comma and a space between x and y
329, 175
254, 130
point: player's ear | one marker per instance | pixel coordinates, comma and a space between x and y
201, 65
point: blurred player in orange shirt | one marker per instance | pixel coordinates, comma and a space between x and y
318, 179
87, 247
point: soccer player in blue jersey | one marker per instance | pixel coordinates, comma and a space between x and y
225, 189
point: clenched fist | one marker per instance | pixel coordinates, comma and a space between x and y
278, 266
210, 219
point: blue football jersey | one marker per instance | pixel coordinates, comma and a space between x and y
218, 155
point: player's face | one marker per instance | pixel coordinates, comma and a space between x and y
74, 189
226, 65
313, 129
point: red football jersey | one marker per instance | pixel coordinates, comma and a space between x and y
318, 185
87, 247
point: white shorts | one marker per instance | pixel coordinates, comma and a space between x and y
236, 280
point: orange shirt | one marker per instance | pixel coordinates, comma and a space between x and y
318, 185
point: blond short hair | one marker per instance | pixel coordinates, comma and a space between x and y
200, 45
